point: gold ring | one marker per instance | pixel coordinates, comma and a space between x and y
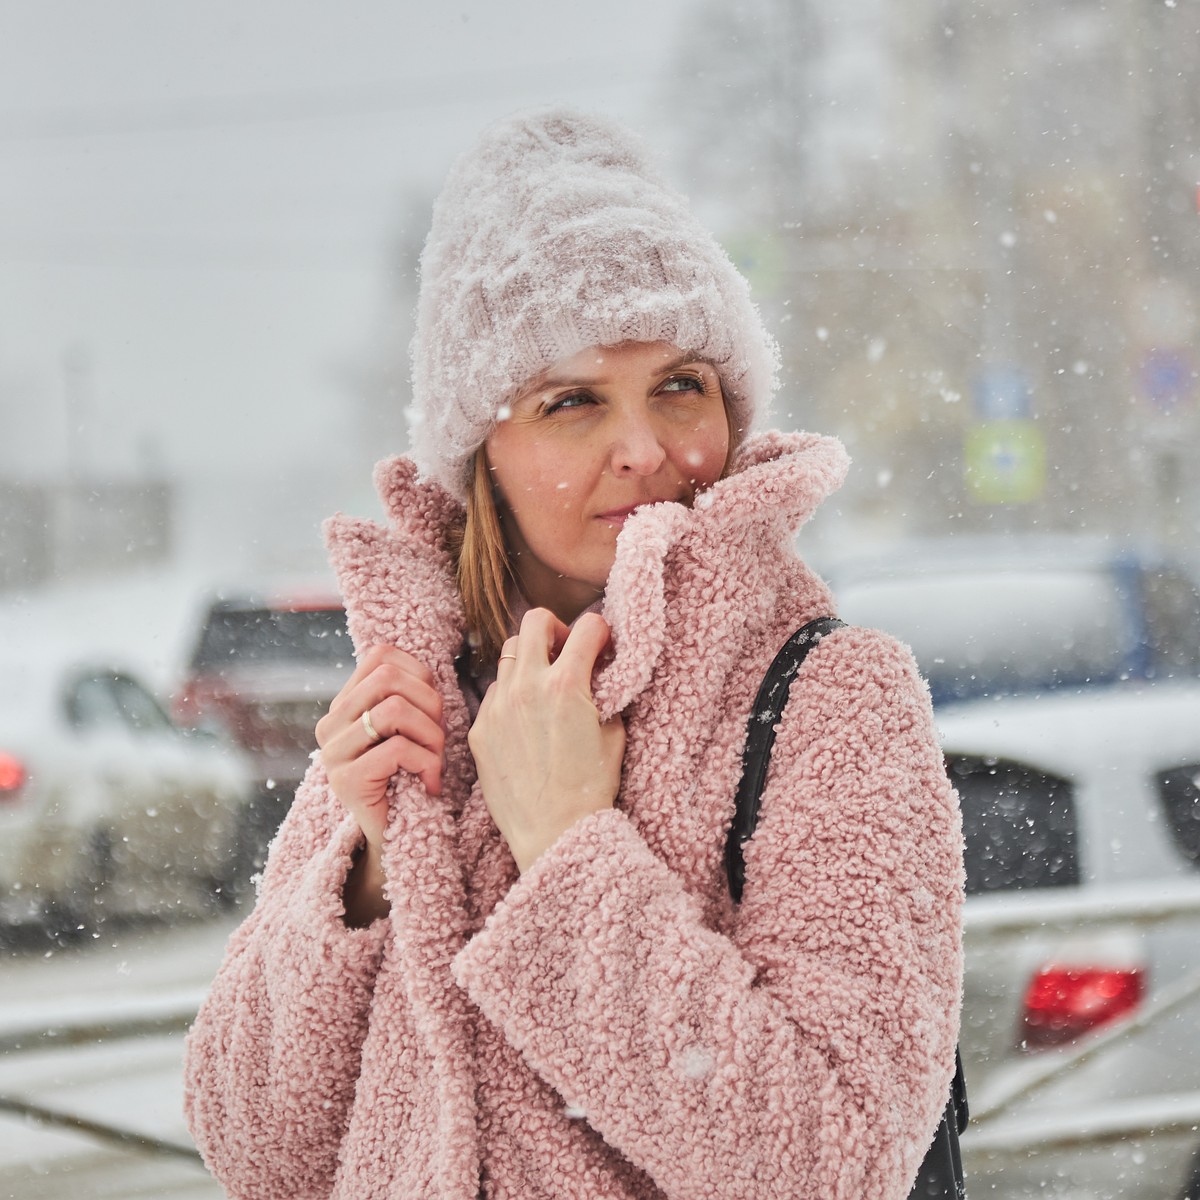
371, 731
504, 656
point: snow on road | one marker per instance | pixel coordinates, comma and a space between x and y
130, 1084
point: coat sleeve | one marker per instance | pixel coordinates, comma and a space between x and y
807, 1053
272, 1059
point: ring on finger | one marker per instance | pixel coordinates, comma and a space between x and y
503, 657
370, 729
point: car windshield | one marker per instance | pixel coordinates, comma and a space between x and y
999, 631
257, 636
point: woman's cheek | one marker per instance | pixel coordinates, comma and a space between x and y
703, 461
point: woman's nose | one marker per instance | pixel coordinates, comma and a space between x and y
637, 448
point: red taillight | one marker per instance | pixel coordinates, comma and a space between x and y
12, 775
1063, 1003
194, 701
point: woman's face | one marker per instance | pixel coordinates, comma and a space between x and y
592, 438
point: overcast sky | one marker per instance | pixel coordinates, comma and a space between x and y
197, 201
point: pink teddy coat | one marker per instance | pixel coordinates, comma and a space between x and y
610, 1024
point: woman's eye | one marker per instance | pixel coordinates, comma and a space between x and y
570, 401
684, 383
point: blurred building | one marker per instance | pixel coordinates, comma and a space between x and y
976, 228
67, 530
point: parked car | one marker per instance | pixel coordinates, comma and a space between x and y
990, 616
1081, 816
263, 671
107, 807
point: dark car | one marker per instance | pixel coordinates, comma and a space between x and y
989, 617
263, 672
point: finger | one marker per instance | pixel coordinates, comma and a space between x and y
378, 653
375, 657
390, 679
397, 716
542, 637
373, 769
346, 718
586, 642
365, 727
394, 720
508, 652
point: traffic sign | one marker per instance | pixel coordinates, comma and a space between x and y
1168, 378
1005, 462
1001, 393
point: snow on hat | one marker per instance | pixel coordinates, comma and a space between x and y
552, 235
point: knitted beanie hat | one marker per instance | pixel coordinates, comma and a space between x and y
552, 235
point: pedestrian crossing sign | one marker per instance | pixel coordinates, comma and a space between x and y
1005, 462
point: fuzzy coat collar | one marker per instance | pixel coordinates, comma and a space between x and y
397, 578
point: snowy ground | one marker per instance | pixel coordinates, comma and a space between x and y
124, 1083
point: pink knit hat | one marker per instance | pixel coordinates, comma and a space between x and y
552, 235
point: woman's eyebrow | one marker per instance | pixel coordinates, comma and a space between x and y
683, 360
543, 382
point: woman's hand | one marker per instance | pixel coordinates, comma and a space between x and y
405, 711
544, 759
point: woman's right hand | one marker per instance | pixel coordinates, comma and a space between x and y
406, 712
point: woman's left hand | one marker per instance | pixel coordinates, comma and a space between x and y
544, 758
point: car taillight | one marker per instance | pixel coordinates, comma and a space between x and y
198, 696
1063, 1003
185, 707
12, 775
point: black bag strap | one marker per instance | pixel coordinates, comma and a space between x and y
769, 704
768, 708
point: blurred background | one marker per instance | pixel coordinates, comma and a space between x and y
973, 227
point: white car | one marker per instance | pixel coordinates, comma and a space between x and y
1081, 1023
106, 807
1018, 615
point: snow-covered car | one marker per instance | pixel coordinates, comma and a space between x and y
988, 616
106, 806
1081, 1023
263, 670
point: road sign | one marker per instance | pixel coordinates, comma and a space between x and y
1168, 378
1005, 462
1001, 393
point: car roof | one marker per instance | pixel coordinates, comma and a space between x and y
982, 552
32, 686
282, 592
1149, 726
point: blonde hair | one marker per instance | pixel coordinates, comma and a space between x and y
485, 572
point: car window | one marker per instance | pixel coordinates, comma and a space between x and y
115, 701
91, 704
263, 636
990, 632
1019, 825
1179, 794
140, 711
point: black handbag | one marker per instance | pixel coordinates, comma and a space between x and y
941, 1173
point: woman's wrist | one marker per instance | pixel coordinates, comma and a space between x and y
362, 896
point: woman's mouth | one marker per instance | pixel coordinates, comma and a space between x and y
617, 516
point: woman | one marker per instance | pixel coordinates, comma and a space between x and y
494, 952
